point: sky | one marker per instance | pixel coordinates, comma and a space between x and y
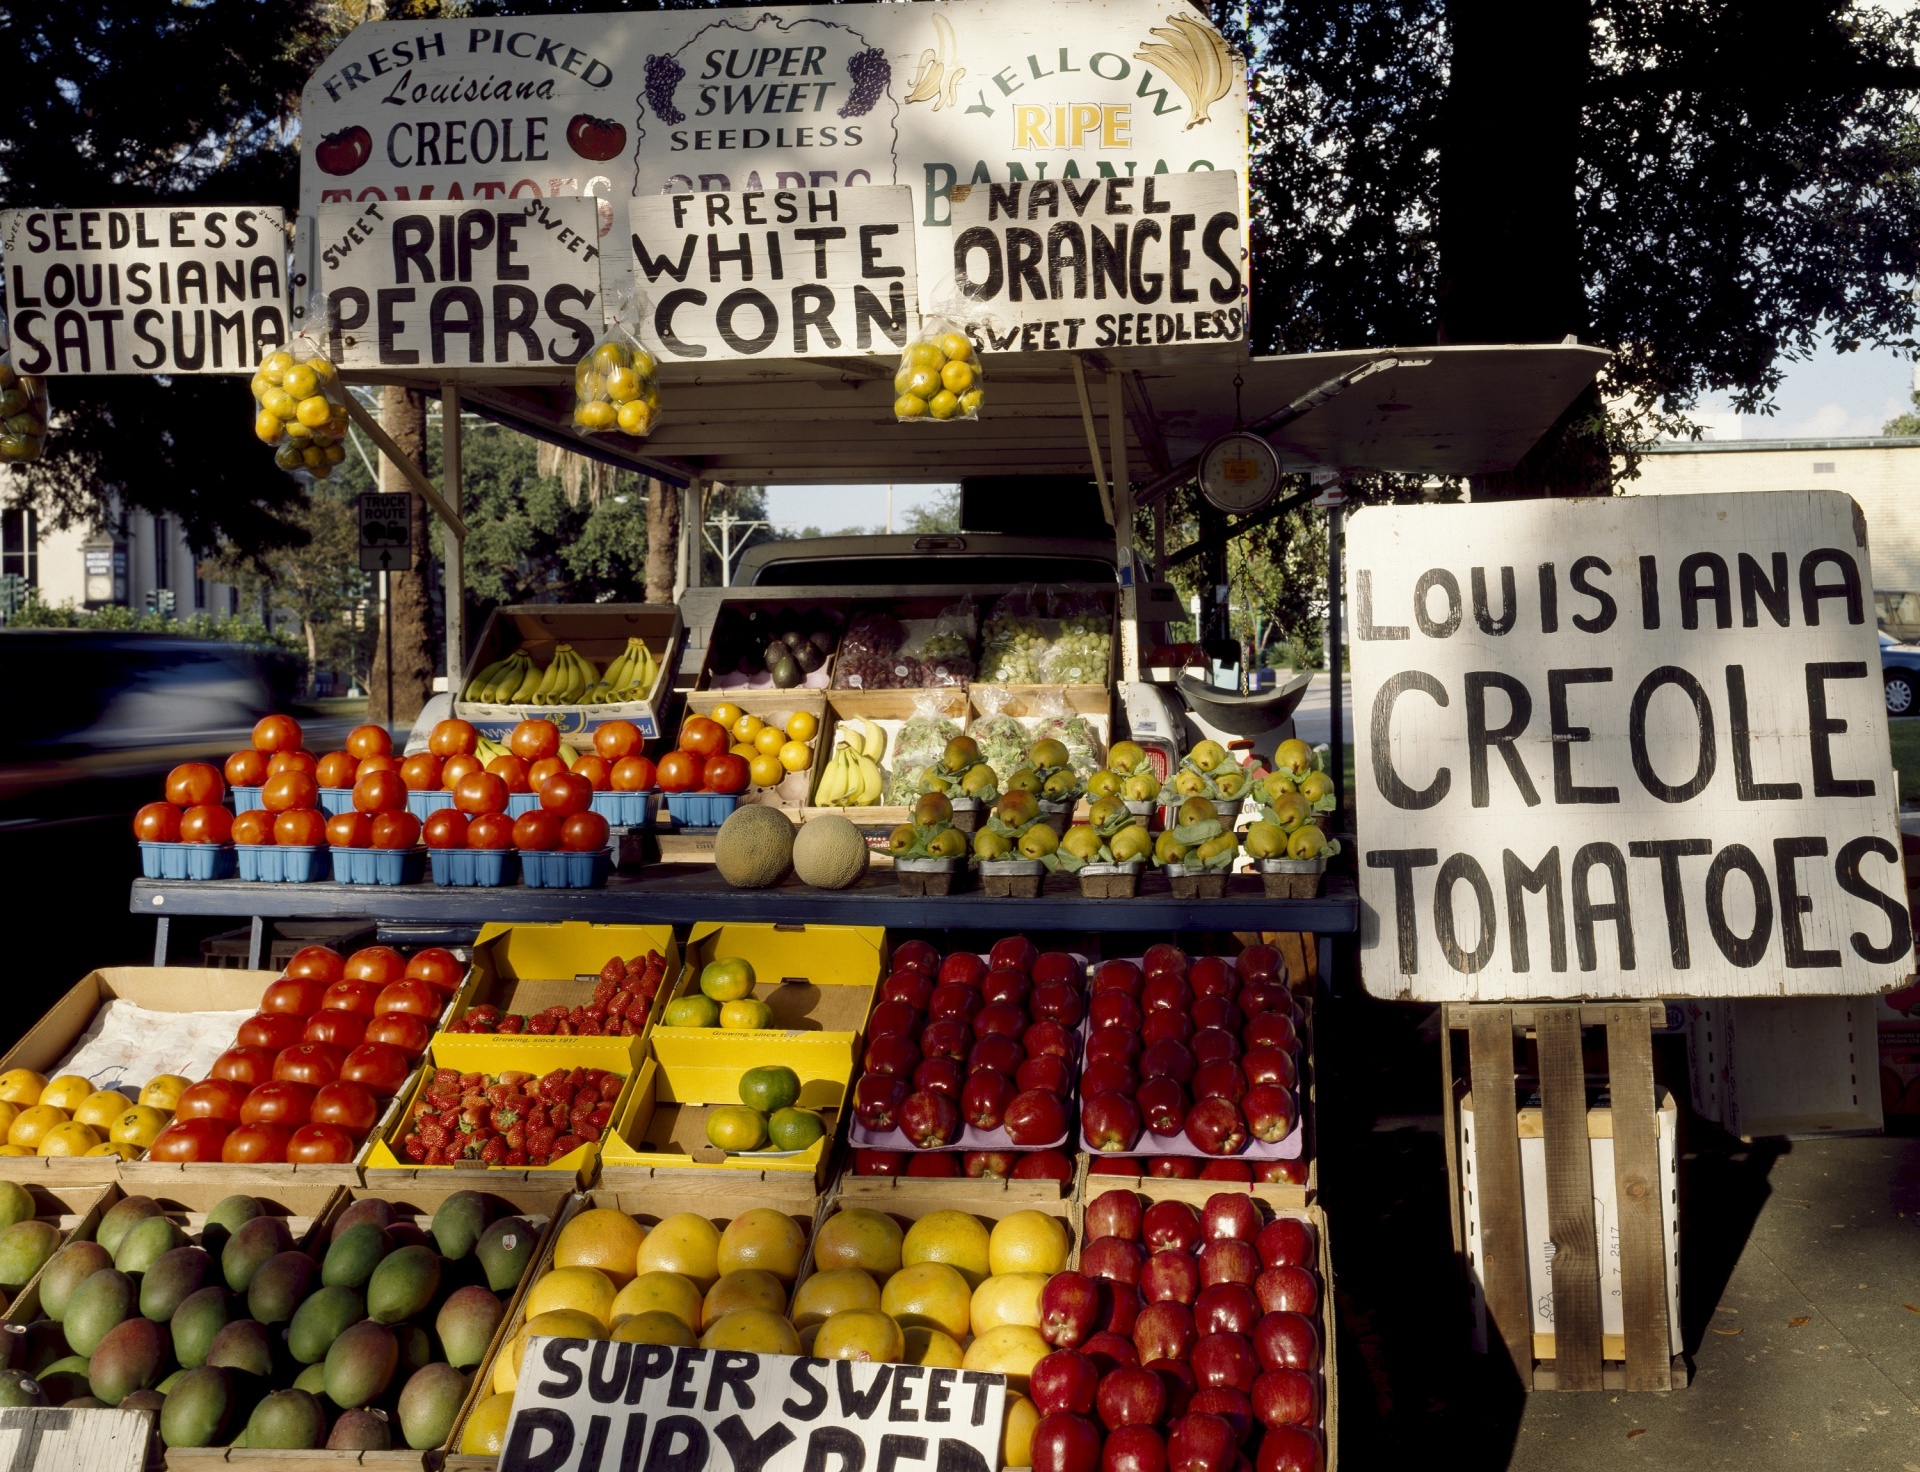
834, 508
1831, 396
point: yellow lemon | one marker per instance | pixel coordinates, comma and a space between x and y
611, 355
684, 1243
766, 770
935, 1350
622, 384
601, 1238
745, 727
485, 1434
21, 1086
1028, 1242
659, 1293
930, 1294
944, 405
137, 1126
860, 1334
164, 1091
758, 1330
30, 1126
655, 1326
585, 1290
1011, 1350
726, 713
859, 1238
835, 1291
952, 1237
768, 740
68, 1139
747, 1288
1016, 1432
101, 1108
1007, 1298
796, 756
634, 417
765, 1239
803, 725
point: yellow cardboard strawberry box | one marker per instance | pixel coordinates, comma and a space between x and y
525, 970
785, 981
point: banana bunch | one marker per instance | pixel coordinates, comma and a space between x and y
631, 676
865, 736
852, 779
486, 749
568, 677
516, 680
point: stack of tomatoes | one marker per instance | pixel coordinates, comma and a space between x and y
276, 763
379, 816
563, 820
308, 1074
193, 811
701, 762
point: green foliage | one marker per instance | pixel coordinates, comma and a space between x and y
1907, 423
241, 629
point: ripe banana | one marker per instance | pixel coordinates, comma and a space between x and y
484, 679
852, 779
833, 781
530, 678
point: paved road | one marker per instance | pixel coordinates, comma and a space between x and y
1313, 716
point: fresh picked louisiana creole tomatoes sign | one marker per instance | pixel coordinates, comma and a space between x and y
727, 100
588, 1405
1623, 748
144, 289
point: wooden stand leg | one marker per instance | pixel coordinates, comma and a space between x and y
1638, 1187
1570, 1223
1503, 1238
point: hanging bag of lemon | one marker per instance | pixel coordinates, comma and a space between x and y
940, 376
300, 408
23, 410
615, 389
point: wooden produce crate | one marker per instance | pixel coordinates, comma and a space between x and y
600, 632
527, 968
890, 710
776, 707
816, 979
57, 1034
732, 622
159, 1178
75, 1208
959, 1192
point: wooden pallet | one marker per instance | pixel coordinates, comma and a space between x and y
1578, 1361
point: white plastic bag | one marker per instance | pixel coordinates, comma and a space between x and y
940, 375
300, 408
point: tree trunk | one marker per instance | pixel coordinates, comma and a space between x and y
404, 416
1508, 225
663, 539
313, 653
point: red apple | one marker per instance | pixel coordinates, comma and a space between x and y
1161, 1025
1174, 1168
911, 987
1213, 1045
1238, 1171
1286, 1398
1164, 1331
950, 1037
1259, 963
1070, 1309
1285, 1242
1050, 967
1063, 1381
1200, 1443
1230, 1405
1043, 1165
1064, 1442
953, 1000
963, 967
1269, 1066
935, 1164
1131, 1396
996, 1051
1111, 1122
1287, 1291
1228, 1260
1177, 1378
1220, 1079
1115, 1009
1271, 1030
915, 953
1116, 1214
1034, 1118
1120, 1308
1226, 1359
1171, 1226
893, 1017
1113, 1258
1163, 960
985, 1098
1226, 1308
1109, 1351
1015, 951
1058, 1002
1289, 1449
1113, 1042
1163, 1106
1210, 976
1006, 986
940, 1076
879, 1162
1218, 1012
1287, 1342
1269, 1113
877, 1099
1108, 1076
1230, 1214
1215, 1127
1168, 1058
929, 1120
1050, 1038
892, 1053
1134, 1449
1118, 976
1166, 994
1170, 1276
1044, 1072
1293, 1172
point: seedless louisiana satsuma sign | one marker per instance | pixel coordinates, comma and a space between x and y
1619, 748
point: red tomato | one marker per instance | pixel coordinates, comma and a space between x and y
287, 790
157, 822
357, 997
296, 996
437, 967
537, 832
583, 833
410, 995
278, 1102
190, 1140
532, 740
540, 771
277, 733
727, 773
445, 828
512, 771
366, 741
421, 773
244, 1065
457, 770
453, 738
271, 1030
309, 1063
321, 962
597, 772
703, 736
379, 1067
380, 792
320, 1144
396, 830
193, 784
680, 771
331, 1025
210, 824
212, 1098
292, 761
490, 831
400, 1030
351, 1106
481, 792
336, 769
255, 825
617, 739
633, 774
379, 764
301, 827
246, 768
566, 794
376, 963
350, 830
256, 1144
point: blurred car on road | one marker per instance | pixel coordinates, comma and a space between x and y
1900, 675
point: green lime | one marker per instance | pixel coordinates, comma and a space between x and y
728, 980
769, 1089
734, 1127
795, 1129
691, 1012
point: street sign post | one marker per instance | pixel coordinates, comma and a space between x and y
386, 531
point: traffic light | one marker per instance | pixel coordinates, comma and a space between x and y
161, 601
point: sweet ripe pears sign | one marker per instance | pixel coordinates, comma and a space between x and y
1621, 748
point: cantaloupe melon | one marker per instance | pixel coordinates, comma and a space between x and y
829, 853
754, 848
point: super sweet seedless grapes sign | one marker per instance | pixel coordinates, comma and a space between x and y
1623, 748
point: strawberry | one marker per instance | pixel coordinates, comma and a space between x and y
498, 1094
599, 1119
516, 1155
565, 1143
630, 1028
414, 1148
610, 1086
540, 1027
513, 1025
434, 1134
504, 1117
612, 973
494, 1152
516, 1137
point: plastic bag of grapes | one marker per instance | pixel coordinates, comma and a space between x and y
23, 410
1016, 638
300, 408
615, 386
1082, 650
940, 375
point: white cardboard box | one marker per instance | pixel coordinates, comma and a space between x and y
1799, 1067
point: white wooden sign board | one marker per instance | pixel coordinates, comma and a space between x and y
47, 1439
592, 1404
1623, 748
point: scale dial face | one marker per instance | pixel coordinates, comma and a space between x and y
1239, 472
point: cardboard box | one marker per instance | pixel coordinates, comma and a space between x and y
529, 967
600, 632
1786, 1066
816, 979
75, 1208
776, 708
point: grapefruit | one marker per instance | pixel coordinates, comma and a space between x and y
860, 1238
1028, 1242
860, 1334
835, 1291
685, 1243
667, 1293
1007, 1298
1011, 1350
930, 1294
763, 1238
758, 1330
955, 1238
746, 1288
601, 1238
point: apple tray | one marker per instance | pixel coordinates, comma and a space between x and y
969, 1138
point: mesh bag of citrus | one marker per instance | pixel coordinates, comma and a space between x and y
23, 411
940, 375
300, 408
615, 390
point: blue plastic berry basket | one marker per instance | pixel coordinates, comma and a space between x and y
627, 809
245, 799
270, 863
487, 868
563, 870
519, 804
423, 805
701, 809
336, 800
379, 865
187, 860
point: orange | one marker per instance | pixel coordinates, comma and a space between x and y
746, 727
796, 756
766, 770
769, 739
585, 1290
33, 1125
803, 725
726, 713
655, 1326
859, 1238
758, 1330
601, 1238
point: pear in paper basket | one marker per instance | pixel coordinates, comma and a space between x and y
1266, 840
1306, 842
1207, 755
1294, 757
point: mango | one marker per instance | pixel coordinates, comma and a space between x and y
66, 1270
17, 1389
354, 1254
252, 1243
466, 1323
428, 1403
173, 1279
287, 1420
16, 1203
459, 1223
277, 1288
120, 1218
135, 1355
415, 1345
143, 1400
104, 1300
198, 1408
40, 1345
402, 1285
226, 1218
86, 1403
362, 1431
195, 1322
319, 1321
24, 1250
313, 1379
360, 1364
505, 1250
242, 1345
146, 1242
365, 1210
65, 1380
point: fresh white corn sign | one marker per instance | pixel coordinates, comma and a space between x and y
594, 1404
1630, 747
